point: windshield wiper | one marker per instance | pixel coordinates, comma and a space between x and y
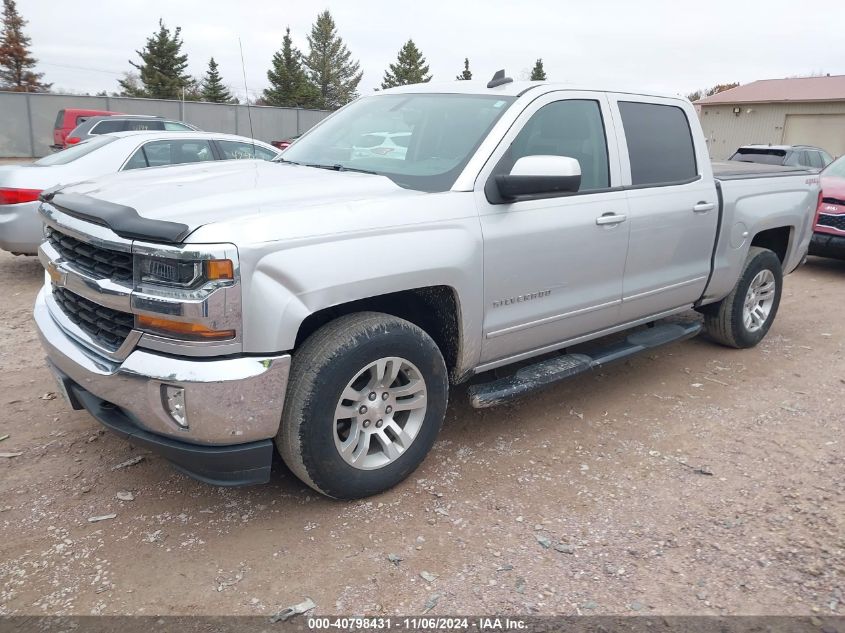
285, 160
339, 167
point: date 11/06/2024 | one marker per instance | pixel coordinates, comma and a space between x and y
417, 623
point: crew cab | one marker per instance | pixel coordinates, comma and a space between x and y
326, 302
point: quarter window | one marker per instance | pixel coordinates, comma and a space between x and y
237, 149
572, 128
660, 146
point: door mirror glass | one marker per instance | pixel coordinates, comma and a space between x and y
540, 175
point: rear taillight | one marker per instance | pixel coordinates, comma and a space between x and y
17, 196
72, 140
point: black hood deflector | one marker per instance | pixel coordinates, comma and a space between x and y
123, 220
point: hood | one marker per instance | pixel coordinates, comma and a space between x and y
833, 187
211, 192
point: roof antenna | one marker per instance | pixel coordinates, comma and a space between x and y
246, 89
499, 79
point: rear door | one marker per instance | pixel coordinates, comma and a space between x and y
672, 204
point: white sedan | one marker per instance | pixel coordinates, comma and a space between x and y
20, 185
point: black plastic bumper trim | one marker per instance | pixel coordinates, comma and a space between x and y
234, 465
827, 245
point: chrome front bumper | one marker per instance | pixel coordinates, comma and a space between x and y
230, 401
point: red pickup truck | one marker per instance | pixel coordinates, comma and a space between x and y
829, 231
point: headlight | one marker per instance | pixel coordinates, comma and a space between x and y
187, 294
182, 274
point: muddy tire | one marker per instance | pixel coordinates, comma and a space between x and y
743, 318
365, 402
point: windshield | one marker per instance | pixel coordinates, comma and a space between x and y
73, 152
420, 141
836, 168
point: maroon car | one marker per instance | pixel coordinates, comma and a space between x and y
829, 231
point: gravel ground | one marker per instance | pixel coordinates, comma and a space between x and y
693, 480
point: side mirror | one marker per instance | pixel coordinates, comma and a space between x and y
539, 175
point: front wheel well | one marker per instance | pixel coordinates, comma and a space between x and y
434, 309
776, 240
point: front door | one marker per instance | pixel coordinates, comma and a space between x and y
553, 267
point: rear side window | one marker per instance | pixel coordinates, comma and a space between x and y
660, 145
60, 120
797, 159
173, 126
815, 159
107, 127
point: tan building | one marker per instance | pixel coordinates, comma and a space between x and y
802, 111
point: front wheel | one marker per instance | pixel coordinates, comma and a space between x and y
366, 399
743, 318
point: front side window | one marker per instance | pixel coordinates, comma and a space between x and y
827, 159
176, 152
237, 149
572, 128
660, 145
420, 141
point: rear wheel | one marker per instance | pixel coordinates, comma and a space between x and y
366, 400
743, 318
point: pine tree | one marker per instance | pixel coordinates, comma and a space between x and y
162, 67
466, 74
16, 62
538, 73
212, 88
289, 86
330, 66
410, 68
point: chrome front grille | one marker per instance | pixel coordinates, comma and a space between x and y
832, 220
93, 260
107, 327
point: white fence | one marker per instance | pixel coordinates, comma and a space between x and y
27, 119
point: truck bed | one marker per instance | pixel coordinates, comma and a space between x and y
738, 170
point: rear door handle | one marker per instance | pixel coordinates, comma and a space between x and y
610, 218
703, 207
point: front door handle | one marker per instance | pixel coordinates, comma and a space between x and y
610, 218
703, 207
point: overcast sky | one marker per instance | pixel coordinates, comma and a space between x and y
664, 45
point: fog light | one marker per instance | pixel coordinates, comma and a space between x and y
174, 401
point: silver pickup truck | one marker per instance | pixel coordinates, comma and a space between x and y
326, 302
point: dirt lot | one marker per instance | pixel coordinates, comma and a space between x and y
694, 480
